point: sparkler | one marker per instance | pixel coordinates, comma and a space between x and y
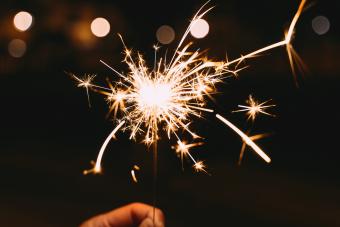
171, 95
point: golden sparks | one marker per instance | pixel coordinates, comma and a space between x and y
254, 108
173, 93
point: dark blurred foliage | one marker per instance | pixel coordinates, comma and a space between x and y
49, 135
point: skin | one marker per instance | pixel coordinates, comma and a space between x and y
132, 215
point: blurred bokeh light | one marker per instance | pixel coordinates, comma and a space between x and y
321, 25
100, 27
23, 21
17, 48
200, 29
81, 34
165, 34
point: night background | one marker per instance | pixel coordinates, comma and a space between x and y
49, 135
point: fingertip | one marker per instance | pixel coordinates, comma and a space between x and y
133, 214
148, 222
159, 217
99, 220
138, 209
139, 206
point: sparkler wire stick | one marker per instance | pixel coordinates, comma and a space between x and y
155, 174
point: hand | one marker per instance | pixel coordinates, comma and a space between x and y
132, 215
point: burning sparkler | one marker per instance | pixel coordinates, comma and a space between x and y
169, 96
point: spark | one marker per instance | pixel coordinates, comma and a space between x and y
254, 108
182, 150
173, 94
244, 145
294, 59
245, 138
200, 166
86, 83
133, 175
134, 178
97, 167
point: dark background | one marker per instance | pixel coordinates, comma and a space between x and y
48, 135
